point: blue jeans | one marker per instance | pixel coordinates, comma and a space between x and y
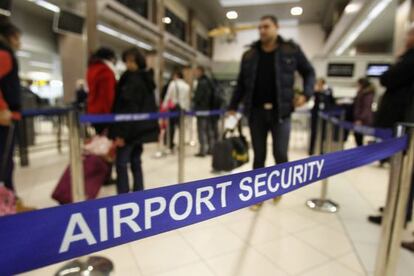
129, 154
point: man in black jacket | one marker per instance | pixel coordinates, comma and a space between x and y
202, 102
265, 86
397, 105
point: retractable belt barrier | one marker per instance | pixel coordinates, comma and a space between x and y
45, 112
39, 238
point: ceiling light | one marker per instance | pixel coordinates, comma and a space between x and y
239, 3
5, 12
38, 75
380, 7
232, 15
41, 64
353, 8
295, 11
46, 5
124, 37
166, 20
23, 54
174, 58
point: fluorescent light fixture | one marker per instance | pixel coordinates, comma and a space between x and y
56, 83
353, 8
124, 37
38, 75
5, 12
23, 54
44, 4
232, 15
296, 11
41, 64
377, 10
166, 20
239, 3
174, 58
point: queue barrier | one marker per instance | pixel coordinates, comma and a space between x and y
66, 232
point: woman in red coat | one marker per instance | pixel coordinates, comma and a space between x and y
101, 83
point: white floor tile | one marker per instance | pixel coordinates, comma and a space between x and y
330, 269
292, 255
199, 269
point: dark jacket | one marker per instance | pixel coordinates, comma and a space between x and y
288, 59
397, 104
203, 94
10, 83
363, 105
324, 101
135, 94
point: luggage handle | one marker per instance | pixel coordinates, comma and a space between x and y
239, 129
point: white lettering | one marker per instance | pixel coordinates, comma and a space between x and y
286, 180
103, 224
187, 212
258, 183
149, 213
275, 187
245, 187
70, 236
204, 199
319, 165
297, 174
223, 188
128, 220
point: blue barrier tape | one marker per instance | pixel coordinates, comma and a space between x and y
206, 113
116, 118
45, 112
39, 238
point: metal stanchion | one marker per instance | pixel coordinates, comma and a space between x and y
324, 204
341, 135
93, 265
396, 206
59, 134
23, 145
181, 148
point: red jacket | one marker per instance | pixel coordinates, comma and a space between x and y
101, 83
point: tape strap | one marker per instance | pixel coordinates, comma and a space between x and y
133, 117
36, 239
45, 112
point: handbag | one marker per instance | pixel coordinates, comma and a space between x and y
231, 152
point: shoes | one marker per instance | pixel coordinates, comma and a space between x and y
200, 155
109, 182
408, 245
375, 219
256, 207
381, 209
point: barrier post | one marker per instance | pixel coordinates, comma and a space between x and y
59, 133
23, 145
83, 265
76, 164
181, 148
401, 176
323, 204
341, 135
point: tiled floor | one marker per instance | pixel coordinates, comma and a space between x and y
279, 240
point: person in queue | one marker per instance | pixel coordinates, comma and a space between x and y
135, 93
101, 82
177, 99
362, 108
10, 98
202, 102
397, 105
265, 86
323, 101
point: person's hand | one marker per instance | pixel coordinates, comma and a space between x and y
299, 101
119, 142
5, 117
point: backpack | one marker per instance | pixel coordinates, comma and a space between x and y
217, 101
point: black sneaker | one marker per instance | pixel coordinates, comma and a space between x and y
375, 219
200, 155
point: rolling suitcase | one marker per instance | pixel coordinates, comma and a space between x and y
96, 171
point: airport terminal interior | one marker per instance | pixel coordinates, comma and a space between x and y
176, 95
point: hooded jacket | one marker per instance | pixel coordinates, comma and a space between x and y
289, 58
10, 97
